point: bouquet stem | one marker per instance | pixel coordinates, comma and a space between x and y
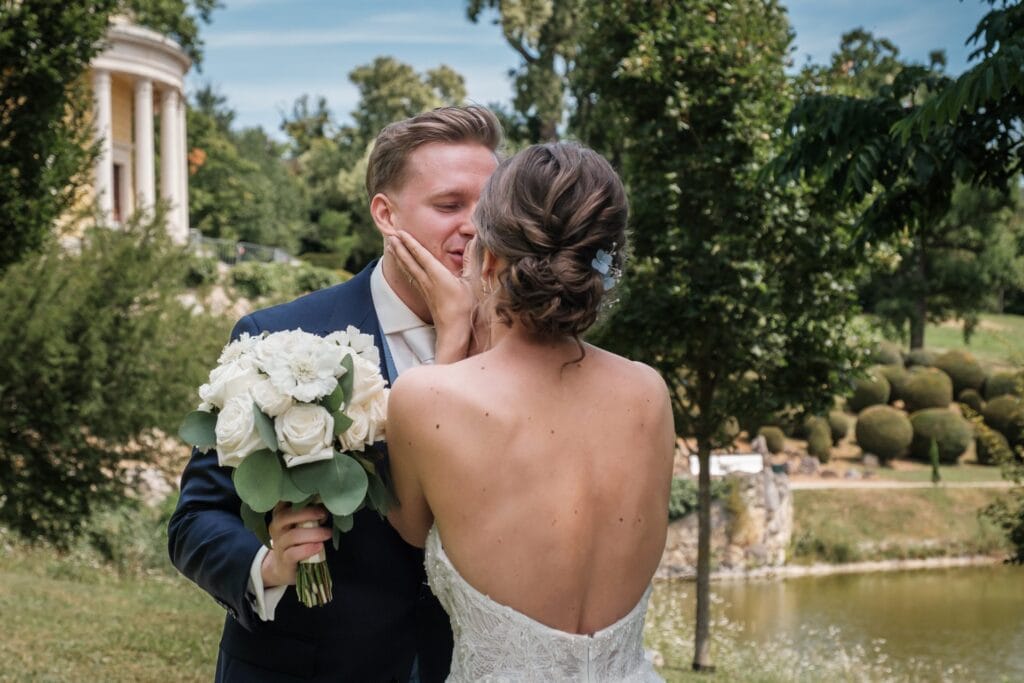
313, 579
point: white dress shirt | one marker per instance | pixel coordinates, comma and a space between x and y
411, 342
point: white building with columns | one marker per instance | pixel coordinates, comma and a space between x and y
139, 77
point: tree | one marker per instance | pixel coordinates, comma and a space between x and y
240, 186
902, 186
390, 90
46, 148
738, 293
544, 33
986, 100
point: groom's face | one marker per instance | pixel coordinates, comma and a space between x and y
435, 203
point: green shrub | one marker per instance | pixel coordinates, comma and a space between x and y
884, 432
774, 438
952, 433
201, 271
928, 388
682, 499
331, 261
1003, 384
963, 368
897, 377
869, 391
971, 398
819, 439
310, 278
887, 353
991, 446
1005, 414
921, 358
838, 424
94, 350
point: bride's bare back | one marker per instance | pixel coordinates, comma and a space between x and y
548, 481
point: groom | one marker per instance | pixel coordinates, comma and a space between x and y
424, 178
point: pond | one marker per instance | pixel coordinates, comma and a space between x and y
936, 625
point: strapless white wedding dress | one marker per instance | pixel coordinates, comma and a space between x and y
494, 642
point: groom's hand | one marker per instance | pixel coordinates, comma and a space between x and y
291, 542
447, 295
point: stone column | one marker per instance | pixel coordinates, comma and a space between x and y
170, 148
145, 175
104, 169
183, 175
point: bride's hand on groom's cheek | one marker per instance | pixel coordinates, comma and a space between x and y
448, 296
292, 542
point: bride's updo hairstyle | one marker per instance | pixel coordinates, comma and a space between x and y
547, 212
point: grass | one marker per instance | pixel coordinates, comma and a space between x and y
69, 621
998, 339
856, 525
963, 472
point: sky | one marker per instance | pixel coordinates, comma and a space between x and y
263, 54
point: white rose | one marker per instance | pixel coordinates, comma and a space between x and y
304, 434
367, 383
236, 431
271, 401
243, 347
354, 438
228, 381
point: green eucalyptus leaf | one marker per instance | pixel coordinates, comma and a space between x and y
309, 477
334, 400
347, 381
290, 491
256, 522
265, 426
343, 523
258, 480
198, 429
344, 484
336, 537
380, 497
341, 423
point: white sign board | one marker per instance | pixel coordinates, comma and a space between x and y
724, 463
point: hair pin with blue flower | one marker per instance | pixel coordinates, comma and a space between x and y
602, 263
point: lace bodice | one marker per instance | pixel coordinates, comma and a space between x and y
494, 642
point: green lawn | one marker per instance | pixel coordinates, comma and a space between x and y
998, 339
67, 621
950, 473
836, 525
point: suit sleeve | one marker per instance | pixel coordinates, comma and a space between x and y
206, 538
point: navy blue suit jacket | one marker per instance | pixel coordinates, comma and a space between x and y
382, 615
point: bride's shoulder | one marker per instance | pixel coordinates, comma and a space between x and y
638, 374
424, 388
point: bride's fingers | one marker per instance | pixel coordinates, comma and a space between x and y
434, 269
412, 269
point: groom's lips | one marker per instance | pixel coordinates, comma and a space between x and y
456, 257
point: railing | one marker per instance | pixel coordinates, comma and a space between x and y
230, 251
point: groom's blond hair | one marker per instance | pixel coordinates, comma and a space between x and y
453, 125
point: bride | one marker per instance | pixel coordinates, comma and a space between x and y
536, 472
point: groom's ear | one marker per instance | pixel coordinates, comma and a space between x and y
383, 212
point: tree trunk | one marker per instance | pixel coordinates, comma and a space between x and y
920, 313
702, 635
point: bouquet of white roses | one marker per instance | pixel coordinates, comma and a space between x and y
297, 416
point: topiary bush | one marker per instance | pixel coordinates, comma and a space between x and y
310, 278
927, 388
870, 390
255, 279
838, 424
1005, 414
971, 398
819, 439
774, 438
201, 270
897, 377
963, 368
921, 358
1003, 384
991, 447
884, 431
887, 353
951, 432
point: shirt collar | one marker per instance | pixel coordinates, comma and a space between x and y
393, 314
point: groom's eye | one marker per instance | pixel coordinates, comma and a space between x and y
448, 207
